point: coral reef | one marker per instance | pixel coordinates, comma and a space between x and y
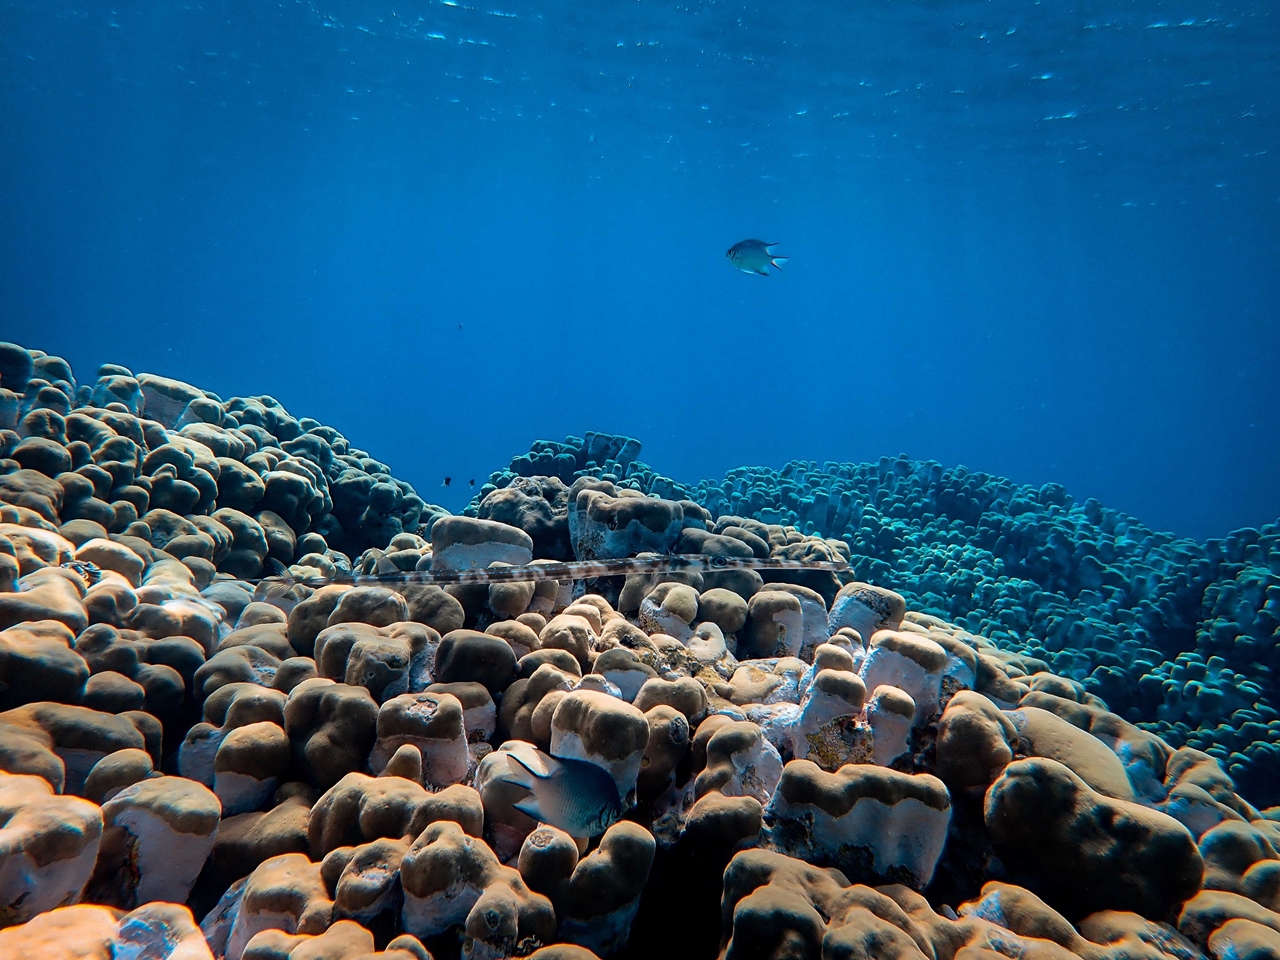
1177, 636
985, 735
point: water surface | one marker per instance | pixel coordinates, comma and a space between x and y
1039, 239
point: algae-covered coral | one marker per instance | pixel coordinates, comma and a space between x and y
1012, 724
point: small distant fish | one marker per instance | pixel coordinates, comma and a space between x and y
471, 483
755, 256
578, 797
447, 481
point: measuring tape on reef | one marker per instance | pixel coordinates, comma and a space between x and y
556, 570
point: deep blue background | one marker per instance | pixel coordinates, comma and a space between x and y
1037, 239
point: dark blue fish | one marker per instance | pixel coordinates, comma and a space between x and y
755, 256
578, 797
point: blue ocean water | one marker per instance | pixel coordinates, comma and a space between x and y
1039, 239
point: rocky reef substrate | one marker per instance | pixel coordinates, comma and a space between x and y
1016, 726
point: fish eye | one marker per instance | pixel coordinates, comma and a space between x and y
719, 562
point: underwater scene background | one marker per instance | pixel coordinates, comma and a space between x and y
302, 291
1036, 239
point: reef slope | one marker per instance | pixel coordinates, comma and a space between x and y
984, 735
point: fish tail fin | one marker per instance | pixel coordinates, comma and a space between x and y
382, 565
521, 779
541, 771
276, 581
779, 261
530, 808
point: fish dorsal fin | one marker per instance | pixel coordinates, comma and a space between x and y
278, 582
383, 566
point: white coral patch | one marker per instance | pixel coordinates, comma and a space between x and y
907, 835
435, 913
849, 611
884, 666
241, 793
168, 861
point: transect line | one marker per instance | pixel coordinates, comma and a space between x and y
555, 570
